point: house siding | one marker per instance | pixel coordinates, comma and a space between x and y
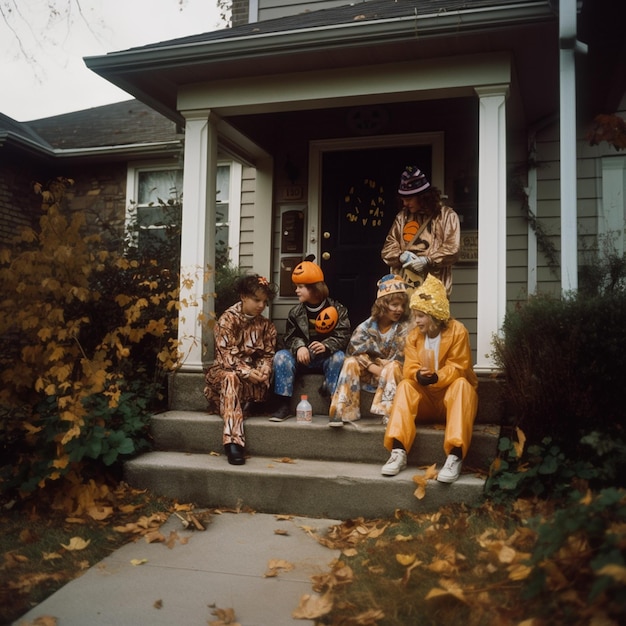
246, 225
589, 195
271, 9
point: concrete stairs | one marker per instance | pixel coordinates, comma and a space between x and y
304, 469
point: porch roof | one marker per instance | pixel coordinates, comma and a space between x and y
372, 32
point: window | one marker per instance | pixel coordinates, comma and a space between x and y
612, 210
154, 206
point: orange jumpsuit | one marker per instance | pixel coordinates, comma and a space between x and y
453, 399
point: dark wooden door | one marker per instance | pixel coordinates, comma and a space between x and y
359, 203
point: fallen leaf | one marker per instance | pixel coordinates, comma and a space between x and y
452, 590
154, 536
44, 620
617, 572
100, 512
519, 572
285, 459
138, 561
129, 508
405, 559
280, 531
225, 617
312, 607
76, 543
275, 565
158, 604
49, 556
506, 554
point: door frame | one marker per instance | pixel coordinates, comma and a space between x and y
316, 153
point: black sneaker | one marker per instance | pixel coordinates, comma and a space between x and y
282, 413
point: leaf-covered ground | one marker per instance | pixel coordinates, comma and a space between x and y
487, 565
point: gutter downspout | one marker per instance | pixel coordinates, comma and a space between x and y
568, 45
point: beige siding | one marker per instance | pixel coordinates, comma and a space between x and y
589, 192
271, 9
246, 225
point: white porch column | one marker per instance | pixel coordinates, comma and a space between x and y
491, 221
197, 257
262, 251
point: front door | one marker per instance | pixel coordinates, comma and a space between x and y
358, 205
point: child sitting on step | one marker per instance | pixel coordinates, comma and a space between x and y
375, 355
438, 384
316, 335
239, 378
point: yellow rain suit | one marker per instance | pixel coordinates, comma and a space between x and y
453, 399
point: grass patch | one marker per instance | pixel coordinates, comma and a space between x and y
471, 565
45, 545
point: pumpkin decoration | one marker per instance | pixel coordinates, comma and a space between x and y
326, 320
410, 230
307, 273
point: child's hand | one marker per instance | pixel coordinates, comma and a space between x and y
425, 377
257, 376
303, 355
317, 348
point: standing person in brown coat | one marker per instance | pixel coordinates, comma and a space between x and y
425, 237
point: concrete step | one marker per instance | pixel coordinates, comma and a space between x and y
304, 469
186, 394
302, 486
357, 442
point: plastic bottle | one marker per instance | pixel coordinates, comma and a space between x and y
304, 411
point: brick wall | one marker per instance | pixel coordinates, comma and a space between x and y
19, 206
240, 12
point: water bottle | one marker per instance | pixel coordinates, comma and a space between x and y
304, 411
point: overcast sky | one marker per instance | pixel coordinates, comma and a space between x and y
42, 72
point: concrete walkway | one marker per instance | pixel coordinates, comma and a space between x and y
222, 567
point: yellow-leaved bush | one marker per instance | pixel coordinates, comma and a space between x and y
88, 332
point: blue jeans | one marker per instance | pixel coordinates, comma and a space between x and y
285, 369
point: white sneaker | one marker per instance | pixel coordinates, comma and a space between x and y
396, 462
451, 469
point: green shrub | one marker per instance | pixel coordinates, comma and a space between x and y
563, 362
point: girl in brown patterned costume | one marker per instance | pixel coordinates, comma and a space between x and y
239, 378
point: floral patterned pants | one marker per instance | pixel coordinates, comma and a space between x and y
346, 401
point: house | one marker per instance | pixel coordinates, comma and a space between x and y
123, 157
322, 104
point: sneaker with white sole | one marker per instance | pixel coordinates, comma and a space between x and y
396, 462
451, 469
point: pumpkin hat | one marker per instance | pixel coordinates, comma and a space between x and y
307, 272
431, 298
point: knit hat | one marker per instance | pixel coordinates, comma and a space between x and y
431, 298
390, 284
412, 181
